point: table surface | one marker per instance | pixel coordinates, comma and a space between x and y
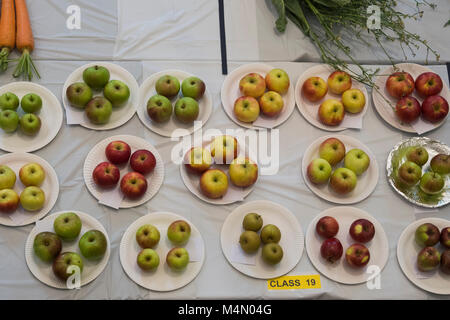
171, 36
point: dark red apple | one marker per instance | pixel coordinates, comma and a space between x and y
331, 250
445, 237
434, 108
106, 175
357, 255
445, 262
133, 185
362, 230
143, 161
327, 227
428, 84
408, 109
400, 84
118, 152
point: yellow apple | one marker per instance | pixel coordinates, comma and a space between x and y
277, 80
331, 112
32, 174
246, 109
353, 100
198, 159
214, 183
224, 149
243, 172
271, 103
339, 81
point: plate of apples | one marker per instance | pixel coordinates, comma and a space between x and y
423, 252
29, 188
334, 104
262, 239
220, 171
174, 103
340, 169
418, 169
30, 117
344, 242
411, 98
123, 171
67, 249
162, 251
258, 96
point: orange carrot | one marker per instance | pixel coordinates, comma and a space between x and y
7, 32
24, 41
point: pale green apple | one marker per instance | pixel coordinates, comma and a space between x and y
252, 222
193, 87
278, 80
93, 244
177, 259
432, 183
148, 259
67, 225
117, 92
319, 171
272, 253
32, 174
96, 77
270, 234
250, 241
179, 232
186, 110
7, 177
147, 236
357, 161
32, 198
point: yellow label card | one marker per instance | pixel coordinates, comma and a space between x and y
294, 282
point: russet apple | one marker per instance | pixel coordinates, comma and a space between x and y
47, 246
7, 177
96, 77
400, 84
249, 241
331, 250
67, 226
445, 262
327, 227
343, 181
409, 174
148, 259
118, 152
357, 255
246, 109
106, 175
179, 232
9, 201
408, 109
440, 163
445, 237
332, 150
133, 185
428, 259
362, 230
277, 80
177, 259
353, 100
198, 159
428, 84
252, 222
434, 108
272, 253
143, 161
270, 233
253, 85
314, 89
32, 174
224, 149
214, 183
147, 236
243, 172
357, 160
319, 171
418, 155
271, 103
32, 198
339, 82
432, 183
331, 112
427, 235
62, 263
93, 244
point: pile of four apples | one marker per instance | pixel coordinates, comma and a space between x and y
30, 123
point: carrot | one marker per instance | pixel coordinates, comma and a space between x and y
7, 32
24, 42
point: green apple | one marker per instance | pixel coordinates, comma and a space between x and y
147, 236
357, 161
148, 259
9, 200
63, 262
32, 198
319, 171
343, 180
409, 173
418, 155
252, 222
159, 108
30, 124
93, 244
99, 110
193, 87
427, 235
7, 177
186, 110
47, 246
32, 174
9, 121
179, 232
96, 77
117, 93
67, 225
31, 103
272, 253
432, 183
278, 80
167, 86
79, 94
249, 241
177, 259
9, 101
270, 234
440, 163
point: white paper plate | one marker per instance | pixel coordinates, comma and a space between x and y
407, 251
234, 194
51, 119
366, 182
163, 278
50, 186
97, 155
120, 115
385, 108
43, 271
168, 129
230, 92
340, 271
292, 240
309, 109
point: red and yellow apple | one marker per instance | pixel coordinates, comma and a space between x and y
327, 227
214, 183
331, 112
428, 84
434, 108
357, 255
253, 85
133, 185
332, 150
408, 109
246, 109
339, 82
143, 161
314, 89
271, 103
224, 149
118, 152
198, 159
106, 175
400, 84
243, 172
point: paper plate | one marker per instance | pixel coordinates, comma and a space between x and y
50, 186
272, 213
384, 103
120, 115
340, 271
51, 116
230, 92
168, 129
366, 182
43, 271
97, 155
407, 251
309, 110
163, 278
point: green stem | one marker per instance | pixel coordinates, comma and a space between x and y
26, 67
4, 54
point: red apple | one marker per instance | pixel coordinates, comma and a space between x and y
408, 109
362, 230
143, 161
327, 227
400, 84
106, 175
445, 237
133, 185
118, 152
331, 250
428, 84
357, 255
434, 108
